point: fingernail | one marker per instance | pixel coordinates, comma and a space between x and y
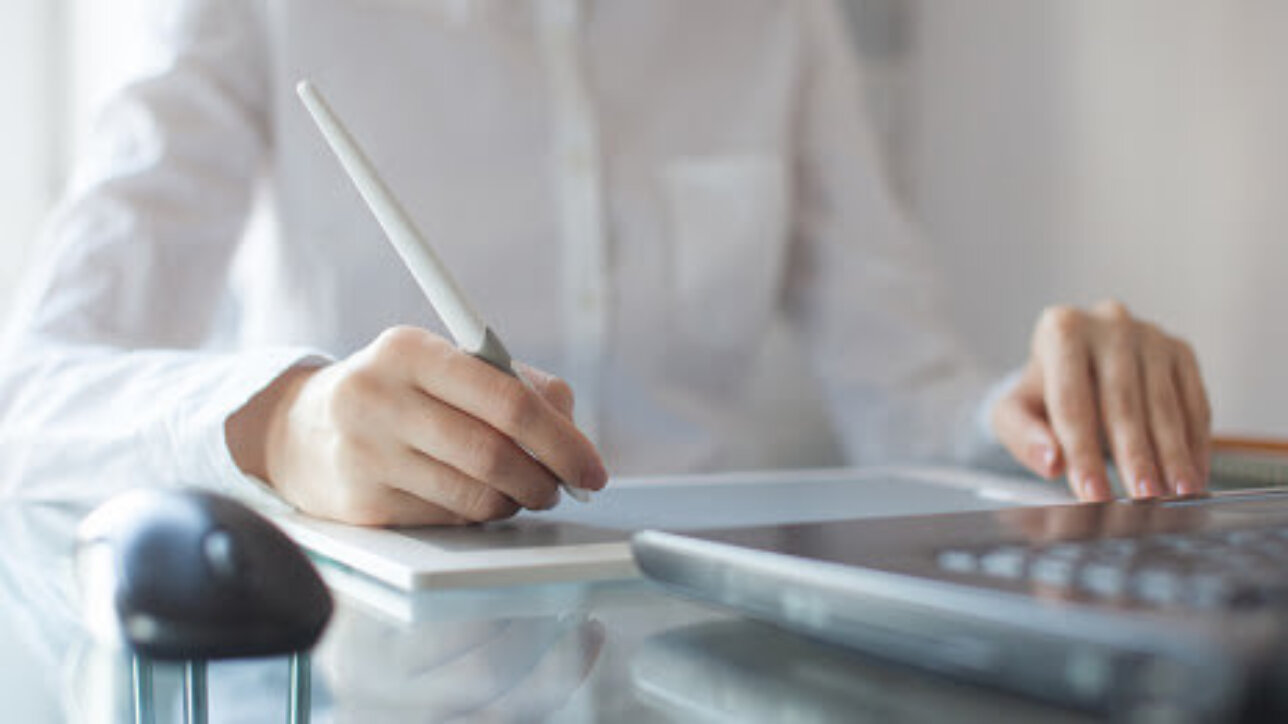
1044, 453
1145, 488
1089, 487
1183, 487
1048, 457
595, 478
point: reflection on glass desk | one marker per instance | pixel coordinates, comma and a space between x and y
740, 670
614, 652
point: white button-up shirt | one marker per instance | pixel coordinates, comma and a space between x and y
677, 206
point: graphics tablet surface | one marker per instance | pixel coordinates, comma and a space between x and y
586, 542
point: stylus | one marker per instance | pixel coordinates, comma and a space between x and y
465, 325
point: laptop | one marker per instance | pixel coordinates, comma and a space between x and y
1162, 611
576, 542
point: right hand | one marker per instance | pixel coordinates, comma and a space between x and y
412, 431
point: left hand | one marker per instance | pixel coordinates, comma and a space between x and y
1105, 379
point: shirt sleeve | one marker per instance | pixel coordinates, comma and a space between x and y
109, 378
862, 288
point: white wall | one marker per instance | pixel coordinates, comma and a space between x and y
29, 141
1069, 151
58, 59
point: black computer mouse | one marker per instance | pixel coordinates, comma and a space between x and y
185, 574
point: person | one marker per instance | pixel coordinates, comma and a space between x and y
679, 209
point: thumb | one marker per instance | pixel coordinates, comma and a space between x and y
1020, 423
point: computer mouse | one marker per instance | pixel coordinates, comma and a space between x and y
186, 574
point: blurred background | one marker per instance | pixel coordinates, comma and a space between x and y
1052, 151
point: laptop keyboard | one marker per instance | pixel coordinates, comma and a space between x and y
1245, 568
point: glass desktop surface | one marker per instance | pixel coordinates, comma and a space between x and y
612, 652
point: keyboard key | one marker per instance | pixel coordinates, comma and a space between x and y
1106, 580
1005, 562
1157, 585
957, 561
1228, 569
1054, 571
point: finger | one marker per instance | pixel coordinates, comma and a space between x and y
1061, 348
1019, 420
446, 487
478, 451
511, 407
554, 390
1122, 405
391, 507
1198, 413
508, 405
1166, 417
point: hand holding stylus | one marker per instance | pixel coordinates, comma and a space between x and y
412, 429
469, 330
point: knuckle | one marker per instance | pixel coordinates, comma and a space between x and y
398, 341
1113, 310
1061, 321
1127, 338
355, 387
482, 504
561, 392
489, 456
1153, 336
352, 397
516, 406
1121, 410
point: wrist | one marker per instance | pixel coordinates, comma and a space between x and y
258, 430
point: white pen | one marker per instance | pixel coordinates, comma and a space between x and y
466, 327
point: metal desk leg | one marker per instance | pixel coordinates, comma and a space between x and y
194, 692
141, 678
301, 694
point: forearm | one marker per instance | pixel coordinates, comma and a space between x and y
80, 421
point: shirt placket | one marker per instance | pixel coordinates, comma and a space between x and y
578, 171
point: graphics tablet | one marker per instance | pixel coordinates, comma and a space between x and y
587, 542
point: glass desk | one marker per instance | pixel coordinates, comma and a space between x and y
613, 652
